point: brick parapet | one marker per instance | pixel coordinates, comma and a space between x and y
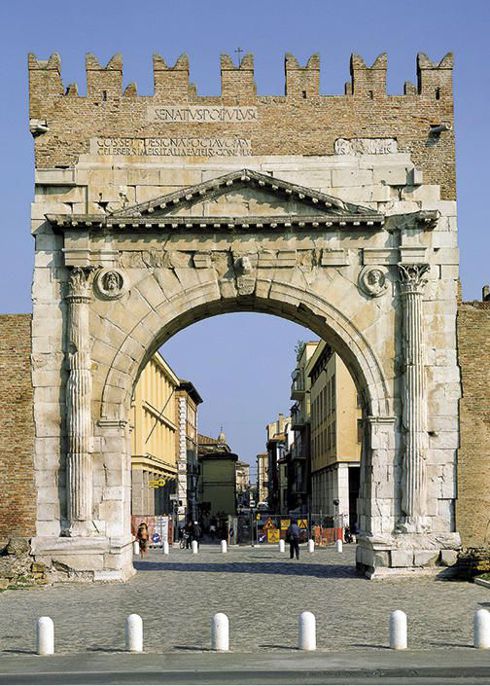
473, 504
302, 122
18, 495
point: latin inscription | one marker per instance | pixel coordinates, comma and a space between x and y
365, 146
199, 114
174, 147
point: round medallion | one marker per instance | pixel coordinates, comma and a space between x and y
111, 284
372, 281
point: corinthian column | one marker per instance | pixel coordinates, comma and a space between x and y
78, 397
414, 402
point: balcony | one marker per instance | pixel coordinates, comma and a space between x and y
297, 418
298, 386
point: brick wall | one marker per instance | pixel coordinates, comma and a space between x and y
473, 504
301, 122
18, 497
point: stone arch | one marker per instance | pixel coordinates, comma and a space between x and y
284, 300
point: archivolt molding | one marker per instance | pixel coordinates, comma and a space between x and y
286, 300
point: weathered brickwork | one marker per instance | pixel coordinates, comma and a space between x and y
473, 504
302, 122
18, 496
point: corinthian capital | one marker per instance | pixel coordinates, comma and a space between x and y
79, 283
412, 277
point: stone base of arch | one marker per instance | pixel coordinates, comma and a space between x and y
90, 558
407, 554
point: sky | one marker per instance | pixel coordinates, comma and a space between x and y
241, 363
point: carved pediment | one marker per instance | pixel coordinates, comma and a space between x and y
244, 194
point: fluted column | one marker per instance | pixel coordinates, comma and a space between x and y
414, 401
78, 400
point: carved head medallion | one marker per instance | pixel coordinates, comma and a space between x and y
372, 281
111, 284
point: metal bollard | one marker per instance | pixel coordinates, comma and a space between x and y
224, 547
136, 548
311, 546
338, 545
282, 546
134, 634
195, 547
166, 549
481, 629
398, 630
220, 632
307, 631
45, 636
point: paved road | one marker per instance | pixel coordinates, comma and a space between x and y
261, 591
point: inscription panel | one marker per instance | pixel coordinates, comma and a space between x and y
195, 146
369, 146
201, 114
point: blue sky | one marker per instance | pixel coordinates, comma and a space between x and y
247, 396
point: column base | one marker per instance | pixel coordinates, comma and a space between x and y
84, 559
408, 554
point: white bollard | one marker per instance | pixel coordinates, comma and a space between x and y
481, 629
136, 548
398, 630
282, 546
311, 546
307, 631
224, 547
338, 545
134, 634
45, 636
220, 632
166, 549
195, 547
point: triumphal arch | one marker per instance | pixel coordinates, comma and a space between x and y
153, 212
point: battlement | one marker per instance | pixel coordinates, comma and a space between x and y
434, 80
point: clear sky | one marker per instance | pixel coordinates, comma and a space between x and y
251, 392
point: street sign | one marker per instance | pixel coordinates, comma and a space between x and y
269, 524
273, 536
157, 483
303, 523
285, 523
173, 496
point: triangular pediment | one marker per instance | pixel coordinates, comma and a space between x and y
243, 194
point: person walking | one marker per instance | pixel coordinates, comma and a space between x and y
195, 532
292, 535
143, 538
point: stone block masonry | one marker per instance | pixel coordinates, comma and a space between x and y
176, 122
18, 494
473, 504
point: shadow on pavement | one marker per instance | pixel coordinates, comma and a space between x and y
286, 568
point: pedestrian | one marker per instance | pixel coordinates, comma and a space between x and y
195, 532
188, 534
143, 538
292, 535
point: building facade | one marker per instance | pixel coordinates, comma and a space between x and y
277, 445
336, 437
187, 449
242, 476
262, 478
154, 439
299, 481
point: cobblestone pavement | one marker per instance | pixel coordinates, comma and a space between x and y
261, 591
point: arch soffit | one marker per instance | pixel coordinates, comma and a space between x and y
285, 300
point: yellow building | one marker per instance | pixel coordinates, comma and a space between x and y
335, 436
154, 439
262, 478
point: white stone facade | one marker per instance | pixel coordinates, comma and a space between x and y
272, 238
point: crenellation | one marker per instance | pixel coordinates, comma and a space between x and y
367, 81
104, 82
171, 82
237, 82
302, 82
435, 80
